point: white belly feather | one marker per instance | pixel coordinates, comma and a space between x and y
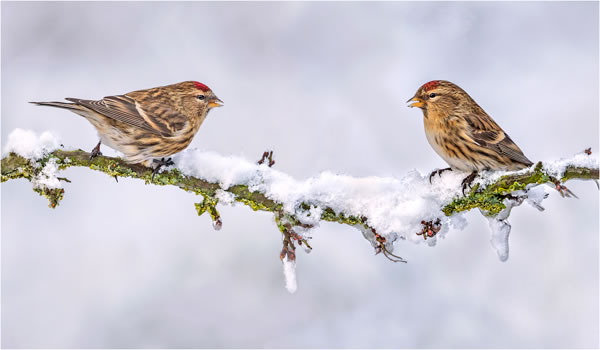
455, 163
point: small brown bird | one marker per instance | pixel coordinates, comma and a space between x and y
462, 133
147, 124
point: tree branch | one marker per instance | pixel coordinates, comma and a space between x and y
491, 199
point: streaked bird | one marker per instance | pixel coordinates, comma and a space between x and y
147, 125
462, 133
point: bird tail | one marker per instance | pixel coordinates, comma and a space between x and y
65, 105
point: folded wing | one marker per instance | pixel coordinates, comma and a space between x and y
157, 119
487, 133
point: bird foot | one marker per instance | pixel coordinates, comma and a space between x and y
438, 172
467, 181
159, 165
95, 151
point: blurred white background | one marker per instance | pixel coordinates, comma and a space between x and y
324, 85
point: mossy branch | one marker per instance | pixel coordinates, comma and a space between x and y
489, 199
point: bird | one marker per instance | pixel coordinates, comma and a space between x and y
146, 125
463, 134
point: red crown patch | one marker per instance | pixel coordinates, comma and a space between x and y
201, 86
431, 85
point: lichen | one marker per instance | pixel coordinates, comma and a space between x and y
255, 206
579, 173
330, 215
490, 199
489, 202
54, 195
208, 204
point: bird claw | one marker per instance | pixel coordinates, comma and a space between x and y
467, 181
95, 151
159, 165
438, 172
167, 162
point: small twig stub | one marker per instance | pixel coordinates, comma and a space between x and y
267, 155
430, 228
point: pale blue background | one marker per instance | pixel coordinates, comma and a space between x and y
324, 85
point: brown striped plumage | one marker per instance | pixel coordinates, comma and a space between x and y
462, 133
147, 124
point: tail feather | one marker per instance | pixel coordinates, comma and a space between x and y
65, 105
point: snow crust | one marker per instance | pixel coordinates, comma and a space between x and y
48, 177
554, 168
225, 197
393, 206
28, 144
557, 168
500, 228
289, 271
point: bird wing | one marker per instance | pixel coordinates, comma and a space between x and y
156, 118
484, 131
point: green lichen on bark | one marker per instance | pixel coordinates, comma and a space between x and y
489, 198
490, 203
209, 204
54, 195
15, 167
579, 173
330, 215
19, 167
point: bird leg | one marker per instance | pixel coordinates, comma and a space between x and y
467, 181
438, 172
96, 151
160, 164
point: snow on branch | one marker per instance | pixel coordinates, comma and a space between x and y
384, 209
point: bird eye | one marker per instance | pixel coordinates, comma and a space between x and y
200, 97
432, 95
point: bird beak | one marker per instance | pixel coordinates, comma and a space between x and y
215, 102
417, 102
